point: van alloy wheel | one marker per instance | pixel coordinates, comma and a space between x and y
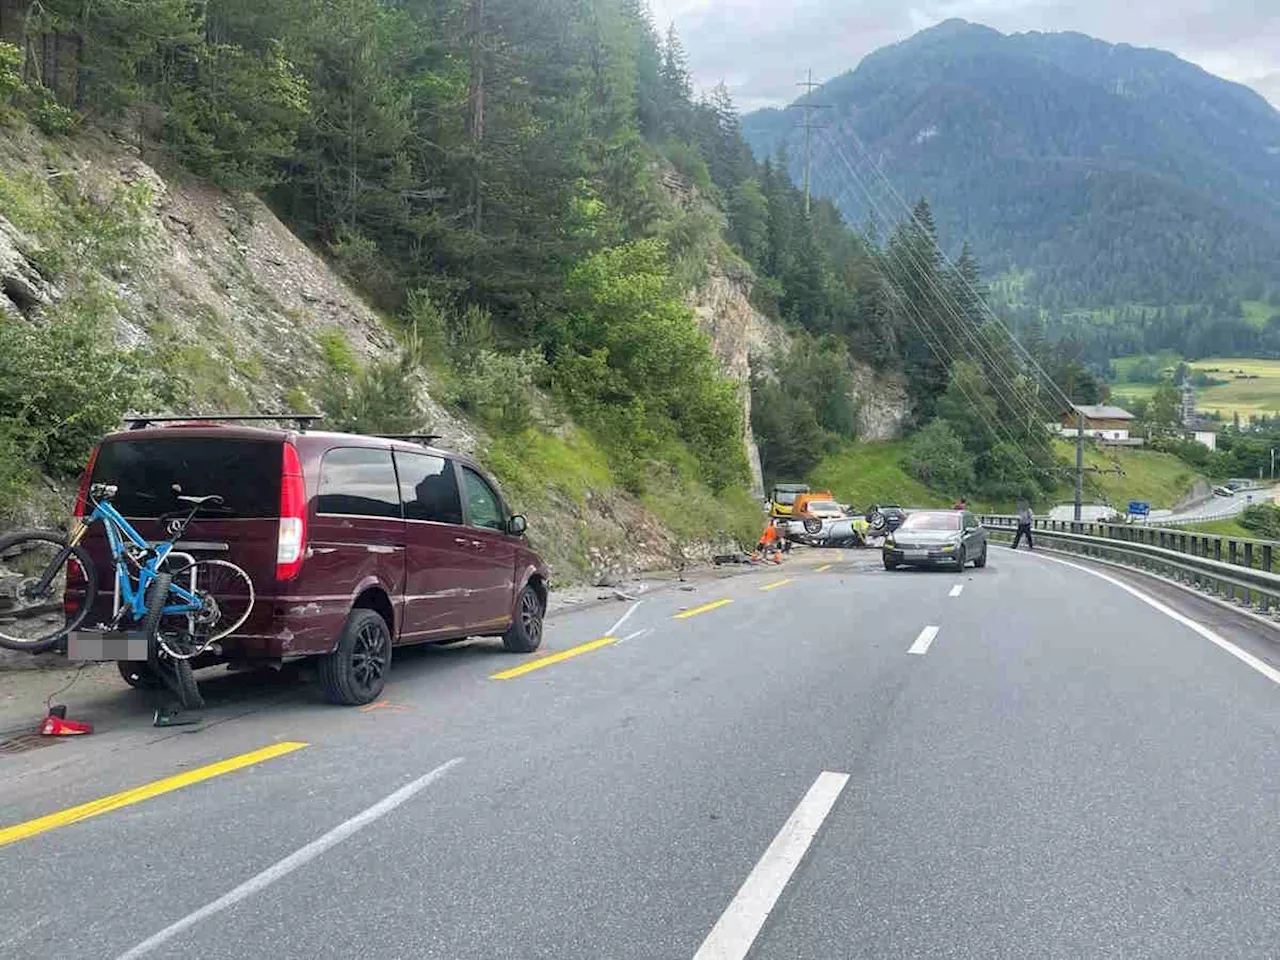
369, 656
355, 672
525, 633
531, 617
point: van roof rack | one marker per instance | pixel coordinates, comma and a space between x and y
303, 420
426, 438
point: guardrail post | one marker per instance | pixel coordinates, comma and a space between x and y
1217, 548
1248, 562
1232, 549
1264, 601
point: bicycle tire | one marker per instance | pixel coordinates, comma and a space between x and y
175, 672
49, 604
233, 596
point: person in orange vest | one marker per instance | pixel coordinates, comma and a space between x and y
770, 541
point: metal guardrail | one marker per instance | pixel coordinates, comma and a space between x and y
1231, 567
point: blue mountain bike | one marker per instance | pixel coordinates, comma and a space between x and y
180, 605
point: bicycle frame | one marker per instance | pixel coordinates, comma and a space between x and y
120, 536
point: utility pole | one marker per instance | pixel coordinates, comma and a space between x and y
808, 106
1079, 463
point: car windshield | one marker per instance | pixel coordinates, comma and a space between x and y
932, 521
827, 506
785, 497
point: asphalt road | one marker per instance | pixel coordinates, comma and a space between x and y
1219, 507
1058, 769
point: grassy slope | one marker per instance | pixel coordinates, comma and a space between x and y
866, 473
554, 476
1159, 478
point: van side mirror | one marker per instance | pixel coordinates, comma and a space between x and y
517, 525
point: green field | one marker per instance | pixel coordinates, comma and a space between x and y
1254, 386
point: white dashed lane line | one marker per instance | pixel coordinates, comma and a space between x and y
739, 925
956, 590
921, 646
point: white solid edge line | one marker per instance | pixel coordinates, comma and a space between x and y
613, 631
740, 924
292, 862
921, 646
1244, 656
956, 590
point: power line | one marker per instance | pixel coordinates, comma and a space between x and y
808, 106
962, 329
985, 306
936, 342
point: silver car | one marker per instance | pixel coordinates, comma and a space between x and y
946, 538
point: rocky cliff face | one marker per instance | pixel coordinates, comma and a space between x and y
882, 403
739, 334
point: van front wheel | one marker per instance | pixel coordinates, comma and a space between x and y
356, 671
525, 634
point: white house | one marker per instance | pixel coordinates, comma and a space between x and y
1100, 421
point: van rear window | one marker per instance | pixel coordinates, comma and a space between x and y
245, 473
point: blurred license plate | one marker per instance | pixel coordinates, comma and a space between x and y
101, 645
916, 554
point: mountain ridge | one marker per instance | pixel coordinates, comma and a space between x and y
1042, 149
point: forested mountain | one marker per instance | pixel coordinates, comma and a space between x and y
1113, 175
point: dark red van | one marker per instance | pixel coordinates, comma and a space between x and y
355, 544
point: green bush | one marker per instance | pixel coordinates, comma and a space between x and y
631, 364
63, 384
1262, 520
937, 458
378, 398
10, 71
499, 389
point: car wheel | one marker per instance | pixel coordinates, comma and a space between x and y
525, 634
982, 559
139, 675
356, 671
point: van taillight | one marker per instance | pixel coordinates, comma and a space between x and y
292, 542
82, 497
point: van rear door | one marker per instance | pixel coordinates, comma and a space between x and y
244, 471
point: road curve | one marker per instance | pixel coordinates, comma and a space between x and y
1056, 768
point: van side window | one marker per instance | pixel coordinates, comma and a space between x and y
428, 488
359, 481
482, 503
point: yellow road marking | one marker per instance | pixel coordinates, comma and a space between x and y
824, 568
776, 585
553, 658
93, 808
705, 608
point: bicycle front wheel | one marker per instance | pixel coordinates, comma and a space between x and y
226, 596
47, 589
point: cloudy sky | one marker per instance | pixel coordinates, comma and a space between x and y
760, 48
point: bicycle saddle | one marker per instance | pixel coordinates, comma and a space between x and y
201, 501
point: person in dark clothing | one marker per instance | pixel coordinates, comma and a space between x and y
1024, 526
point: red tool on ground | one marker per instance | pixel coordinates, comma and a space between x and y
56, 724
